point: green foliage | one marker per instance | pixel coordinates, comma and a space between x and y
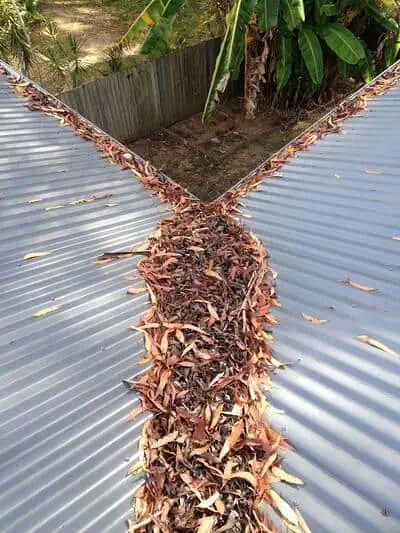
343, 42
309, 41
293, 13
113, 62
15, 42
267, 13
284, 67
379, 16
158, 41
311, 51
232, 51
149, 17
62, 56
30, 11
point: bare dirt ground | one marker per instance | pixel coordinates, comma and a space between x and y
210, 158
96, 26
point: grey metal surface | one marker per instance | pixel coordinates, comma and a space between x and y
64, 444
323, 220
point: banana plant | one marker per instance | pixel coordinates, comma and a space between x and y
301, 36
157, 16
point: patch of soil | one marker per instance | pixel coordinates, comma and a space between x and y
209, 158
96, 27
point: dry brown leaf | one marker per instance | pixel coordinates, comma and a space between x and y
246, 476
206, 524
274, 273
196, 248
283, 507
171, 437
220, 506
153, 297
314, 320
191, 346
35, 200
375, 172
135, 412
90, 199
141, 247
209, 502
46, 311
132, 278
137, 468
180, 336
212, 274
193, 328
164, 342
53, 207
140, 525
352, 283
137, 290
232, 439
212, 311
365, 339
302, 523
34, 255
271, 460
277, 363
200, 451
284, 476
216, 415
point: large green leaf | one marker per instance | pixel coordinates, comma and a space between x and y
293, 13
267, 11
380, 16
231, 53
343, 42
312, 54
150, 15
158, 42
285, 58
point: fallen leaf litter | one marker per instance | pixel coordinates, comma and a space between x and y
207, 452
232, 347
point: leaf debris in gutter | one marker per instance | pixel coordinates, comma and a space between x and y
209, 453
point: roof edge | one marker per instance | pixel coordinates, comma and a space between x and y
328, 123
139, 166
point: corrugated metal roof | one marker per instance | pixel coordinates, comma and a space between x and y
324, 220
64, 445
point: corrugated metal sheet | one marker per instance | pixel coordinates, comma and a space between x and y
324, 220
64, 445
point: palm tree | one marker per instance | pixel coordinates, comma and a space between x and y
15, 42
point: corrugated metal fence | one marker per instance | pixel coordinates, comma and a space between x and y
129, 105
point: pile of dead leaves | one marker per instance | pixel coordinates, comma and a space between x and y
208, 453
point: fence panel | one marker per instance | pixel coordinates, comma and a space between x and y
154, 94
